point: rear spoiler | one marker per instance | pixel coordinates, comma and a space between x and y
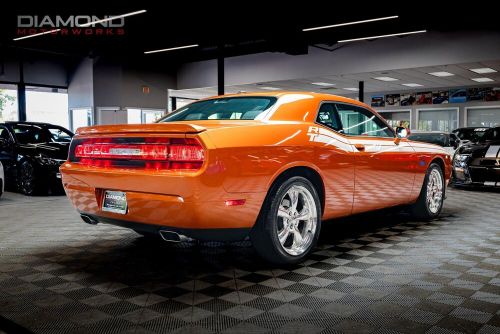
171, 127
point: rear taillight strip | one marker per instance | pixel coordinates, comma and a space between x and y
153, 153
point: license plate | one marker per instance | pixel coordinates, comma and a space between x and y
115, 201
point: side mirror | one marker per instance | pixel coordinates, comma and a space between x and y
401, 132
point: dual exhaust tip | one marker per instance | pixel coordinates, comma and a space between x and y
166, 235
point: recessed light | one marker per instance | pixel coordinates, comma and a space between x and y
482, 79
351, 23
354, 89
171, 49
483, 70
326, 84
412, 85
386, 79
441, 74
269, 88
382, 36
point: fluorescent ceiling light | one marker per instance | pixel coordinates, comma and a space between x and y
88, 24
482, 79
386, 79
413, 85
483, 70
382, 36
352, 88
269, 88
441, 74
171, 49
326, 84
351, 23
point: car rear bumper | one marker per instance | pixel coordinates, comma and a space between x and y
182, 202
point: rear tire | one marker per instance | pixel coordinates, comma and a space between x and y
289, 224
430, 201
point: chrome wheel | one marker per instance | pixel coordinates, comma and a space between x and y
297, 220
434, 191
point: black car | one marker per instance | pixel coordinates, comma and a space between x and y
470, 134
479, 163
31, 154
448, 141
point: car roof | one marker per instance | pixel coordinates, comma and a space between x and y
418, 132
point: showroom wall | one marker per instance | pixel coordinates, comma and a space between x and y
430, 49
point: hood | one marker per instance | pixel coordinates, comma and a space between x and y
52, 150
479, 150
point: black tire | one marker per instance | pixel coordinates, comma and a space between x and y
27, 179
421, 209
264, 235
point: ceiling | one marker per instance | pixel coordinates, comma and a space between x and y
461, 78
241, 28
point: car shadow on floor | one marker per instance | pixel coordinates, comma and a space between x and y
135, 260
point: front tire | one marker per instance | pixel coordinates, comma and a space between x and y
430, 201
28, 183
289, 224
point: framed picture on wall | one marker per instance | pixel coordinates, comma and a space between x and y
424, 98
477, 94
408, 99
392, 100
378, 101
440, 97
457, 95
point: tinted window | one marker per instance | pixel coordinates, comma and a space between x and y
440, 139
246, 108
358, 121
58, 135
35, 134
491, 134
4, 134
328, 116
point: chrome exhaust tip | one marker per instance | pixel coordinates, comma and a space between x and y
88, 219
172, 236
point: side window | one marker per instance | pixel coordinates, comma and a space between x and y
327, 115
4, 134
358, 121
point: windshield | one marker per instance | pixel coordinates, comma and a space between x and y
35, 134
470, 134
440, 139
245, 108
492, 134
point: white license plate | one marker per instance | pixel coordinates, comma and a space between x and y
115, 201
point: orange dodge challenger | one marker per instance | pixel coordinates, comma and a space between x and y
271, 166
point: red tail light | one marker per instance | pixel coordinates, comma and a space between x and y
151, 153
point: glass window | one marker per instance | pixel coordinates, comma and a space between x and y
397, 118
483, 117
35, 134
59, 135
328, 116
247, 108
8, 103
134, 116
358, 121
444, 120
440, 139
492, 134
81, 118
47, 105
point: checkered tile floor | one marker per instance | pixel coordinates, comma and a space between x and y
378, 273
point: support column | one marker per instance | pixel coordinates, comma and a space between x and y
361, 91
173, 101
21, 93
220, 71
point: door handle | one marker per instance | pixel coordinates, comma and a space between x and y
359, 147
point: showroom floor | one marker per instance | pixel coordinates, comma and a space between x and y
375, 273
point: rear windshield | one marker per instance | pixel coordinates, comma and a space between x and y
470, 134
248, 108
440, 139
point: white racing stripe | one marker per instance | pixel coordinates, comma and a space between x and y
492, 152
